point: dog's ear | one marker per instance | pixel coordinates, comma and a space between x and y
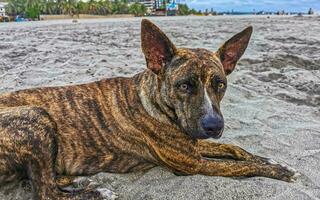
231, 51
156, 46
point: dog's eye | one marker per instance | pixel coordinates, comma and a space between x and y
221, 85
187, 87
184, 87
218, 84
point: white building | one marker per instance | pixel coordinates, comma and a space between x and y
149, 4
2, 9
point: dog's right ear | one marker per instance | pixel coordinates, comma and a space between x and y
156, 46
233, 49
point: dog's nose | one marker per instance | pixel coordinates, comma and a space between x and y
213, 125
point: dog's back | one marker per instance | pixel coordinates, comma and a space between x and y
90, 120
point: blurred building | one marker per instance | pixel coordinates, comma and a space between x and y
158, 4
160, 7
172, 8
2, 9
149, 4
310, 12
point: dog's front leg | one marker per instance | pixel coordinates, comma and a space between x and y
186, 160
246, 169
217, 150
233, 169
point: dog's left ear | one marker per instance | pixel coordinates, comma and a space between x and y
233, 49
156, 46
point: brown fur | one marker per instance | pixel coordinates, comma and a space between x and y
123, 125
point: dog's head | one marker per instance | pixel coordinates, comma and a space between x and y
192, 82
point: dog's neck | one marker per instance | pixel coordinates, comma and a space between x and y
149, 91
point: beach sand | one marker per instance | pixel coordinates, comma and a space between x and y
271, 108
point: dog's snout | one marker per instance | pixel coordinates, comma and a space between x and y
213, 125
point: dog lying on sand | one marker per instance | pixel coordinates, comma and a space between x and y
159, 117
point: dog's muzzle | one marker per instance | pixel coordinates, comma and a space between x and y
213, 126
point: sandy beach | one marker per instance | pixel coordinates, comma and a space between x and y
271, 108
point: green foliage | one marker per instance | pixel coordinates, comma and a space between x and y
184, 9
32, 12
119, 7
194, 12
16, 7
137, 9
33, 8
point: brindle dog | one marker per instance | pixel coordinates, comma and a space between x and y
155, 118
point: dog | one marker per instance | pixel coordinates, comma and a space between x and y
159, 117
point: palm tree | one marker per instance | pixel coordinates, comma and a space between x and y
103, 7
33, 8
120, 7
69, 7
60, 5
81, 7
92, 6
16, 7
137, 9
50, 7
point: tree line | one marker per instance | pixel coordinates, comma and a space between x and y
34, 8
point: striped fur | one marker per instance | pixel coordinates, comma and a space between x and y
123, 124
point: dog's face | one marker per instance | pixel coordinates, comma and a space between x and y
192, 81
194, 84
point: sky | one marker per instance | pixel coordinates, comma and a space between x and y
258, 5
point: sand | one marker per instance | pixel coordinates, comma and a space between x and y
272, 105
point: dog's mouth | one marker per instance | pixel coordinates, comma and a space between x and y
201, 133
207, 134
214, 134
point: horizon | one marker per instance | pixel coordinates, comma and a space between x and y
252, 5
249, 6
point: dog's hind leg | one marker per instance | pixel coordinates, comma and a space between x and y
6, 173
25, 136
28, 148
217, 150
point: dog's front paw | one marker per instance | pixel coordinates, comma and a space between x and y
107, 194
286, 173
97, 194
295, 173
